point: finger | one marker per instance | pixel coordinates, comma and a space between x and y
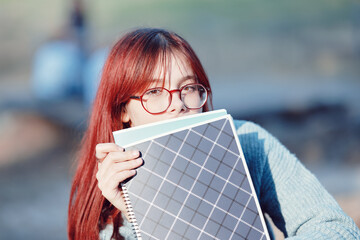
102, 149
116, 157
121, 167
124, 175
105, 170
121, 156
113, 192
110, 186
128, 165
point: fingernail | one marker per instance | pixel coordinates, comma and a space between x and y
133, 171
135, 153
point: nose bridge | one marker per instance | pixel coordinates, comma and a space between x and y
176, 102
174, 90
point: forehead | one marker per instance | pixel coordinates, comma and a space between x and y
174, 66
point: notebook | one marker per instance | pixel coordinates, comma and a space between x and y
194, 183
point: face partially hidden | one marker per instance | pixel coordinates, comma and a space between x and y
180, 75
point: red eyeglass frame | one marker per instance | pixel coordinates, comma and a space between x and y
140, 98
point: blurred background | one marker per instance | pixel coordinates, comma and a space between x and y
290, 66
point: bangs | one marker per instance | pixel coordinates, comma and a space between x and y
143, 59
161, 70
153, 65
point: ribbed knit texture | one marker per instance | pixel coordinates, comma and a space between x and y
288, 193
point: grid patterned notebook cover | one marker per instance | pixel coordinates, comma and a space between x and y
194, 184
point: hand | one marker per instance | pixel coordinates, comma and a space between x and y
115, 166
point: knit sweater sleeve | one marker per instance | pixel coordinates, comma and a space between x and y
292, 197
126, 231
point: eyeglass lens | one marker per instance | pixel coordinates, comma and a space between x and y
157, 100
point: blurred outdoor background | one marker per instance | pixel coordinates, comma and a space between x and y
291, 66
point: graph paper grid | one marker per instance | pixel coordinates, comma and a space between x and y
193, 185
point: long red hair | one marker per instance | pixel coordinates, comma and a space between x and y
131, 63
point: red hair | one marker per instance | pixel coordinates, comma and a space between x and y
131, 63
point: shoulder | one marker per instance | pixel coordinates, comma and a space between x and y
253, 136
256, 143
249, 133
246, 127
264, 154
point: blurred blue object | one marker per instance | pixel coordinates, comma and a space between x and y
92, 74
57, 70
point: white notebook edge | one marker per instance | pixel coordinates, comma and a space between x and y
177, 130
128, 137
262, 218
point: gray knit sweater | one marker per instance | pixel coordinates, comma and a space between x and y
288, 193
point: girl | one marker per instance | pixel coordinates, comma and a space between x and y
145, 79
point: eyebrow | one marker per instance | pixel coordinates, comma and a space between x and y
183, 79
187, 78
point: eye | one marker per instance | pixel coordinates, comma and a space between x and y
190, 88
154, 92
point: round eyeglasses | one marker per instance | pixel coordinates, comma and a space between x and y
158, 100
